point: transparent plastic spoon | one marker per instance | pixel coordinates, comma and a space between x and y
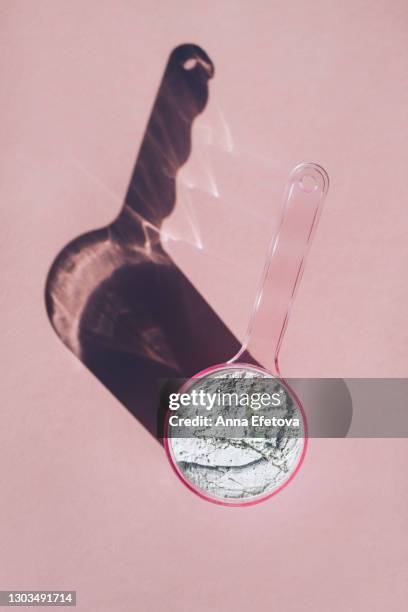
305, 193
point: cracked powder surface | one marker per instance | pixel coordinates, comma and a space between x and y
241, 463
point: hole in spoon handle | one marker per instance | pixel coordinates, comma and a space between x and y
305, 194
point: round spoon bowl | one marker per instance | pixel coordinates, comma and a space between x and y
251, 455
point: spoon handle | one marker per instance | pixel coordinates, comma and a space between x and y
305, 193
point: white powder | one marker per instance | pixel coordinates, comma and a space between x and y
246, 466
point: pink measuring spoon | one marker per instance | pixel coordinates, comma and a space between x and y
305, 194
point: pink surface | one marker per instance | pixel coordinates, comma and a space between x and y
88, 499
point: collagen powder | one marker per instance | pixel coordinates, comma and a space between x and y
238, 448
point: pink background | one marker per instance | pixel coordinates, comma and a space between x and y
88, 500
